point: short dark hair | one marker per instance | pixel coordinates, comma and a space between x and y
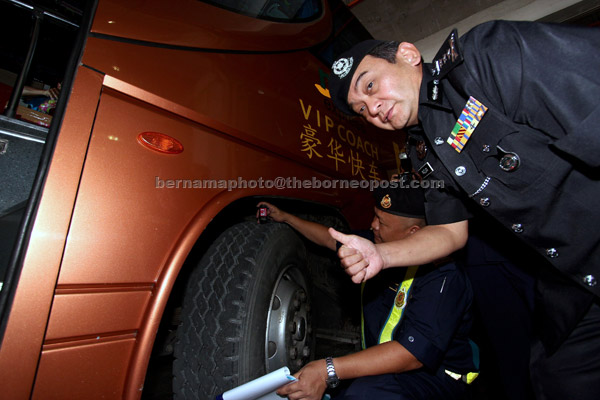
386, 50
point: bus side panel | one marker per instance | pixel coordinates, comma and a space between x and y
75, 314
29, 313
137, 210
274, 101
95, 371
134, 202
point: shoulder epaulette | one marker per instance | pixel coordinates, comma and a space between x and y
447, 57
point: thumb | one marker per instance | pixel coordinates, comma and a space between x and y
339, 236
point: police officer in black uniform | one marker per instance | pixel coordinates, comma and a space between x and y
507, 116
415, 321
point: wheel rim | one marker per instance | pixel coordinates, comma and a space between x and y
289, 330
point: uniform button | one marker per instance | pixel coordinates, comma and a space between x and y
590, 280
510, 162
411, 339
438, 141
460, 171
486, 148
552, 252
484, 201
517, 228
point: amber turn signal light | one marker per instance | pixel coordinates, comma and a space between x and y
160, 142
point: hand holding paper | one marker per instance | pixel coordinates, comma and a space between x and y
310, 383
263, 388
260, 388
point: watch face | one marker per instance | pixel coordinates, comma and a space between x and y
332, 382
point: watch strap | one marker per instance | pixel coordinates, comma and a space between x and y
332, 378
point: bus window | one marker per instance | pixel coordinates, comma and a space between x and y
347, 31
35, 57
273, 10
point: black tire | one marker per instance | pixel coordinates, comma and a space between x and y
246, 311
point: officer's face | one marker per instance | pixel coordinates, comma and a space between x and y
386, 94
388, 227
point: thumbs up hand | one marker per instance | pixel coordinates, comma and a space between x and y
359, 256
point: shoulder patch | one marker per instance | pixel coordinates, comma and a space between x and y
447, 57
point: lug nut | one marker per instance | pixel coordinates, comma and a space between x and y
306, 352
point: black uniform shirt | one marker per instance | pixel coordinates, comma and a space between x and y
436, 321
540, 84
437, 318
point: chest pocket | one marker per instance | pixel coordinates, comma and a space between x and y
512, 154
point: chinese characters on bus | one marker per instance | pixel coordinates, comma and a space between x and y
321, 138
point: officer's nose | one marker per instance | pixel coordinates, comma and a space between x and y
374, 107
375, 224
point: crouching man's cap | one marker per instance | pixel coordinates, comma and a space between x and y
403, 201
343, 70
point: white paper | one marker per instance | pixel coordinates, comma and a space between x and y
262, 388
272, 396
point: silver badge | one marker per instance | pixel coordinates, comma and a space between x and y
425, 170
342, 67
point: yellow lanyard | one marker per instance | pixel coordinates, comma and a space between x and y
399, 305
395, 315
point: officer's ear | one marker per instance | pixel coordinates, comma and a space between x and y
408, 52
413, 229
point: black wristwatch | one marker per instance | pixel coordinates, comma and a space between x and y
332, 378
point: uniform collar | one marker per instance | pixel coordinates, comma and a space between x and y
428, 85
447, 58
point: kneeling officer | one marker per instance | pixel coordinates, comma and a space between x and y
415, 321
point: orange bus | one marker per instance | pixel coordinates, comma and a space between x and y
128, 208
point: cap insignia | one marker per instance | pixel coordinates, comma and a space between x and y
386, 202
342, 67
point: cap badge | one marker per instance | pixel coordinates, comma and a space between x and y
342, 67
386, 202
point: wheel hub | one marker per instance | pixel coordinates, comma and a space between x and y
288, 339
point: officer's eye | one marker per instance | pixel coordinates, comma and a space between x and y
370, 86
361, 109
